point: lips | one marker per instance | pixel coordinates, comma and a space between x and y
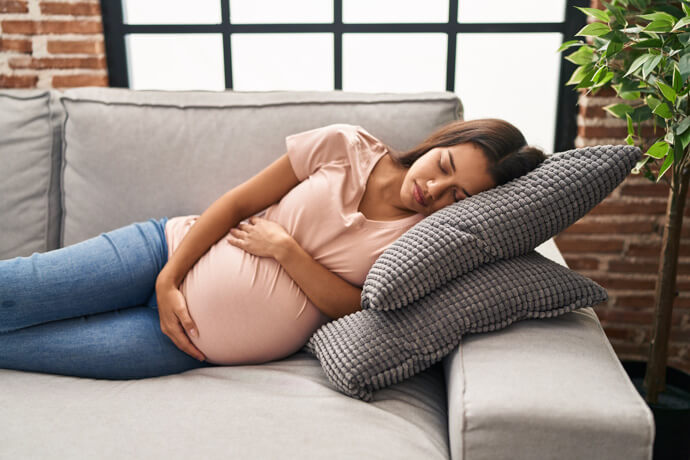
418, 195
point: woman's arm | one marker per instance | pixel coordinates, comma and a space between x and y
331, 294
267, 187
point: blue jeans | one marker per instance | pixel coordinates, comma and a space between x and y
90, 309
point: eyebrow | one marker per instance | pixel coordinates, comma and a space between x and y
452, 165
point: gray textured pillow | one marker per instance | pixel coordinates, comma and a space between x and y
505, 221
369, 350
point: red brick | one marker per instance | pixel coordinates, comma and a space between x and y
616, 132
604, 92
58, 63
581, 263
593, 111
647, 189
18, 81
610, 227
567, 243
653, 249
69, 81
625, 207
72, 9
18, 45
618, 332
75, 47
607, 281
626, 266
51, 27
13, 6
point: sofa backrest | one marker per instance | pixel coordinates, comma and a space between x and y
101, 158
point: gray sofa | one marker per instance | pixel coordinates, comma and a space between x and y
79, 162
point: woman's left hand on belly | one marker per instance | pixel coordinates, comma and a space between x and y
260, 236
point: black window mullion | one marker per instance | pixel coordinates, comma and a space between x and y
452, 45
226, 29
114, 38
566, 108
338, 44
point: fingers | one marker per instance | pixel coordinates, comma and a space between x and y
182, 342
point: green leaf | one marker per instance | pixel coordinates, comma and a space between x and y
595, 13
582, 56
607, 78
569, 44
668, 162
640, 163
631, 130
637, 63
659, 26
599, 74
668, 92
685, 139
658, 16
677, 80
586, 80
684, 38
658, 150
577, 75
682, 23
618, 110
648, 43
663, 111
594, 29
686, 9
684, 67
613, 48
641, 114
683, 126
650, 65
630, 140
652, 102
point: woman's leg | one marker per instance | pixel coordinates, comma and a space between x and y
120, 344
116, 269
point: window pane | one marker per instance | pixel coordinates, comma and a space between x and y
512, 83
280, 11
175, 61
511, 11
171, 12
394, 62
367, 11
264, 62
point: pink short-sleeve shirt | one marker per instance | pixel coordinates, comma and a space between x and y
247, 308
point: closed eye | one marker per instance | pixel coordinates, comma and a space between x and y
446, 173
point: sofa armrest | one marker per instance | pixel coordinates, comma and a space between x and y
546, 388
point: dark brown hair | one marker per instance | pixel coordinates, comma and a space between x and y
503, 144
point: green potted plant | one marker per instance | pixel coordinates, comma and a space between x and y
641, 49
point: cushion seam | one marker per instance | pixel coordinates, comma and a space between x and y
267, 105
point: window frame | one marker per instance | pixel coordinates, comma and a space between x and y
115, 30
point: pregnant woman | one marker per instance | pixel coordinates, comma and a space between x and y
231, 286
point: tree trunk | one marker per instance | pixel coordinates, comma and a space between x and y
655, 376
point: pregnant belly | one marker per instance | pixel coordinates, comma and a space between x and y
247, 308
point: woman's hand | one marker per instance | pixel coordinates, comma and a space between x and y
261, 237
174, 317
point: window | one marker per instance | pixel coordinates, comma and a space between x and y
499, 57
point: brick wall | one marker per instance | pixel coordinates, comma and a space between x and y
51, 44
618, 244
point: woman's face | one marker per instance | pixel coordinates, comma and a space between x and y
444, 175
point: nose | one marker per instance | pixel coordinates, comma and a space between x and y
437, 188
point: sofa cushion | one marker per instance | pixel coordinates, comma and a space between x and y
284, 409
133, 155
371, 349
505, 221
29, 155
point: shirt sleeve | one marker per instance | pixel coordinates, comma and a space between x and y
309, 150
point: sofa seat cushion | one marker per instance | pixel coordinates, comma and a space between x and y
282, 409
